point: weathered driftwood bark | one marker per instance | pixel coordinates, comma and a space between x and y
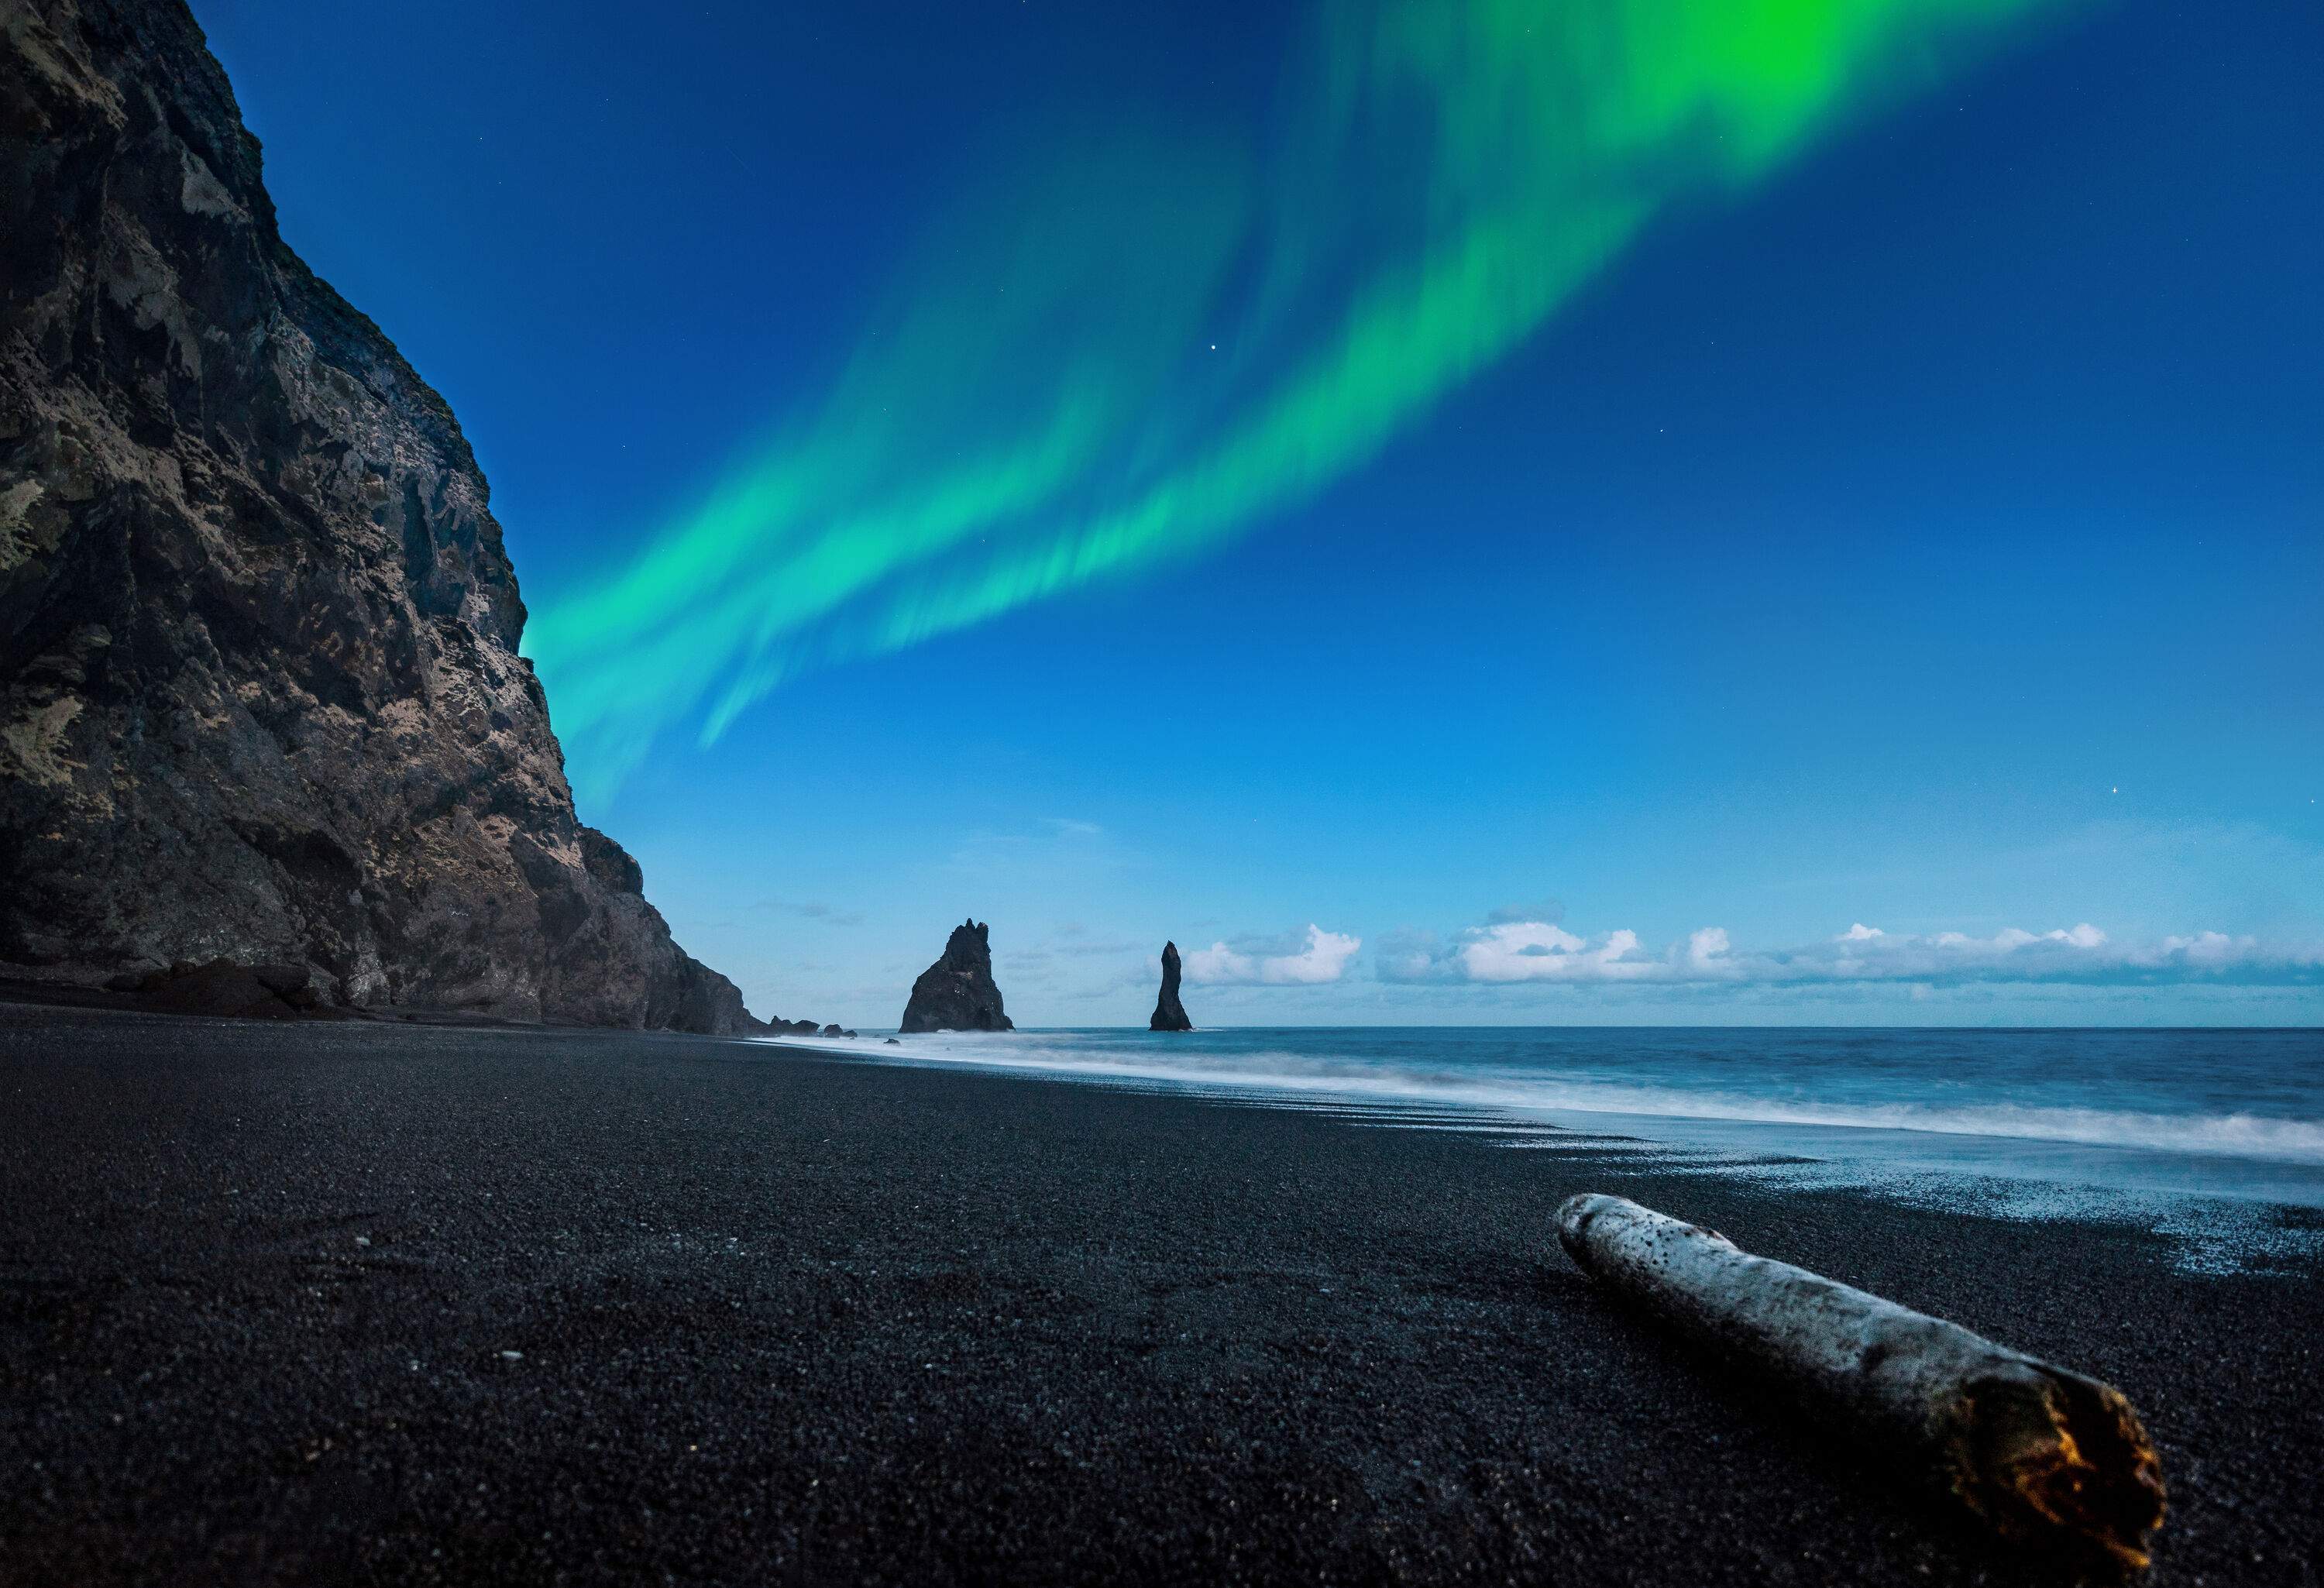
2044, 1455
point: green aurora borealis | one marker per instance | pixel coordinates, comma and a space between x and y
1145, 342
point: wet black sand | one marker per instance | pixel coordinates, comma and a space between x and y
781, 1318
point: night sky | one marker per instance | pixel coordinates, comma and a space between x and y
1628, 510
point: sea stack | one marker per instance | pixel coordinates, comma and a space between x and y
957, 993
1170, 1014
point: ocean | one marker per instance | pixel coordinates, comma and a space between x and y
2213, 1137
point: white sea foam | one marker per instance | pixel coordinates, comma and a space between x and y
2212, 1184
1283, 1074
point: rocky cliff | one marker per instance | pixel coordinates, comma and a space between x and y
1170, 1014
957, 993
260, 695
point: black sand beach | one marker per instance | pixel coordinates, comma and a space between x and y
361, 1303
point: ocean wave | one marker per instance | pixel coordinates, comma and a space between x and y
1513, 1092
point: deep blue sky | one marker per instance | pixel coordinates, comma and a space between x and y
1927, 538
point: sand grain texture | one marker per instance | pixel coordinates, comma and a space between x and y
286, 1303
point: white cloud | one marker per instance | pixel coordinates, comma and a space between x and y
1537, 951
2207, 948
1706, 950
1498, 953
1323, 958
1410, 955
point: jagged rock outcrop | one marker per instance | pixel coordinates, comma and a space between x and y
260, 695
1170, 1014
957, 993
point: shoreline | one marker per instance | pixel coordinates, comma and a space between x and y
1948, 1159
779, 1314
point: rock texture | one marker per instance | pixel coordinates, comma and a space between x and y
262, 992
260, 695
1170, 1014
957, 993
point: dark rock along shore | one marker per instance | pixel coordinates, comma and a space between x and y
1170, 1014
957, 993
260, 694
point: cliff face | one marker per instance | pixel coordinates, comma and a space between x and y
260, 696
957, 993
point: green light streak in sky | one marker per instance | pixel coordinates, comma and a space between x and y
1148, 345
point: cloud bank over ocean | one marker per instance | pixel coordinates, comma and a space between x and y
1500, 953
1512, 953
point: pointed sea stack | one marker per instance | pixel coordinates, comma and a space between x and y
957, 993
1170, 1014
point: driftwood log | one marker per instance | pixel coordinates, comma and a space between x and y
2045, 1455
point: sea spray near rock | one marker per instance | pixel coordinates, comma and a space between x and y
957, 993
